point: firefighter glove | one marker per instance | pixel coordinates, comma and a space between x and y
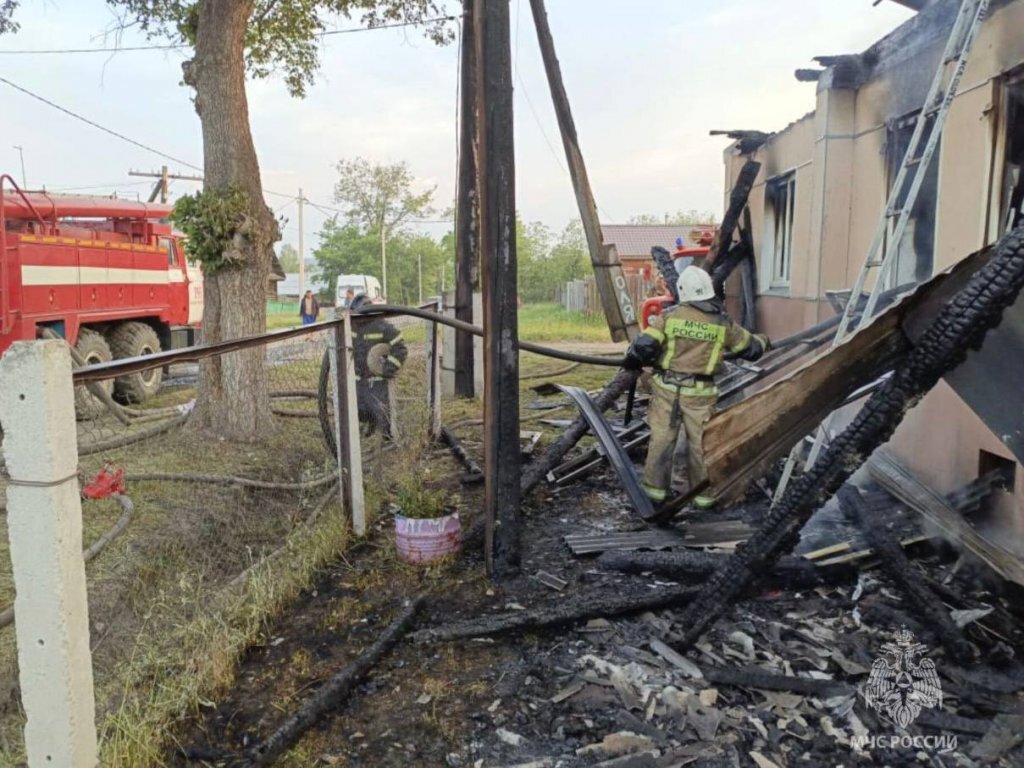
759, 344
643, 351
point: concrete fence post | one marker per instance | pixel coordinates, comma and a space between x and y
436, 341
346, 423
44, 523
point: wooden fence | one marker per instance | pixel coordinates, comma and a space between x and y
582, 296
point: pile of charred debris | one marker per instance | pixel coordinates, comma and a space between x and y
855, 646
876, 641
857, 618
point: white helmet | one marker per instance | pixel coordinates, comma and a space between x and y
694, 284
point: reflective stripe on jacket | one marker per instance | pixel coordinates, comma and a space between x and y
693, 341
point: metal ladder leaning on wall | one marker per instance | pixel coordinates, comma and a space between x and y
882, 252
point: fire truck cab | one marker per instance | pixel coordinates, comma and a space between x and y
108, 275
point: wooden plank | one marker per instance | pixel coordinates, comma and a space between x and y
862, 554
898, 481
738, 197
743, 440
619, 309
496, 181
434, 375
586, 543
467, 225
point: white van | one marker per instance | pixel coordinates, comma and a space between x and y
366, 284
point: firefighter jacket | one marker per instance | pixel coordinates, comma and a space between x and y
379, 349
692, 342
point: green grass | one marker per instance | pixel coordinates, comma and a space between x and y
551, 322
537, 322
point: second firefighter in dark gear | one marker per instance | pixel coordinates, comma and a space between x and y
379, 352
685, 345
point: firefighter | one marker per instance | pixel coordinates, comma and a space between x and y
685, 346
379, 352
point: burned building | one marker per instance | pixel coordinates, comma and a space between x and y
822, 188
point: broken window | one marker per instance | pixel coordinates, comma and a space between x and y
915, 254
780, 196
1011, 208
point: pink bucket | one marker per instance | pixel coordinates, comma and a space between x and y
425, 540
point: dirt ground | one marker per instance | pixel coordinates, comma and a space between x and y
603, 692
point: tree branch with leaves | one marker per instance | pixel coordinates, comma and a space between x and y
381, 199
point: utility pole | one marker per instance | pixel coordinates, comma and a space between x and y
467, 216
21, 152
383, 261
162, 186
611, 283
302, 249
496, 182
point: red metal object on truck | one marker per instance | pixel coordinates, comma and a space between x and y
657, 304
108, 275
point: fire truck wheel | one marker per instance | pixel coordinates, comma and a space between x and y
135, 340
94, 348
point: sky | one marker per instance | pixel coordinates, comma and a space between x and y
647, 80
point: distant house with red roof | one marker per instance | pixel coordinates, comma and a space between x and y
634, 242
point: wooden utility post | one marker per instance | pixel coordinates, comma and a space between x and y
302, 249
496, 174
467, 232
611, 282
162, 187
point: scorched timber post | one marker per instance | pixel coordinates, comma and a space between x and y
496, 174
467, 238
611, 283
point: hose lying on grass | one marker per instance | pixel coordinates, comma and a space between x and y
245, 482
128, 509
124, 440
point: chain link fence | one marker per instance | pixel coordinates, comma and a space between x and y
192, 541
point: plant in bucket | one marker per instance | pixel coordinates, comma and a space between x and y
427, 526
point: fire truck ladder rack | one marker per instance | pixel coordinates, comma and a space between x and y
903, 195
5, 255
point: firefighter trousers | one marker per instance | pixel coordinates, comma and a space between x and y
670, 410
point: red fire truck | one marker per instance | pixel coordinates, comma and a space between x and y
108, 275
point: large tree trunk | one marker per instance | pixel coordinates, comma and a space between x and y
233, 392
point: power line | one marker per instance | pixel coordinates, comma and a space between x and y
179, 46
94, 124
291, 197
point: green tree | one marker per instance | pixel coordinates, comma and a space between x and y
289, 258
533, 256
680, 218
381, 199
345, 250
231, 39
547, 262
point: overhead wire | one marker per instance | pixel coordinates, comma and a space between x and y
533, 111
325, 209
94, 124
179, 46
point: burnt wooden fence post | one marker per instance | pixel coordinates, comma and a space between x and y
434, 374
467, 232
496, 169
619, 309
